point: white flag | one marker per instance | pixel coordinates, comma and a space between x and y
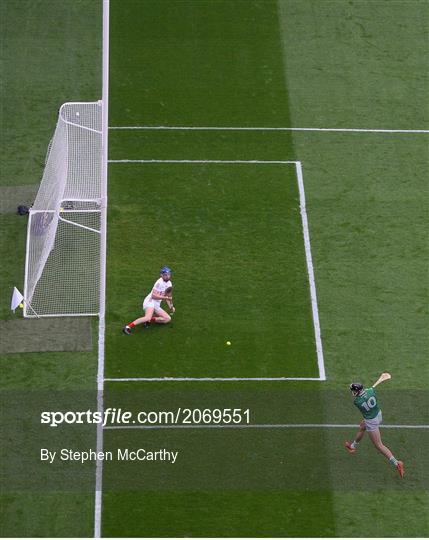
17, 298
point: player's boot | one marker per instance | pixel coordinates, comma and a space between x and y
400, 468
349, 447
126, 330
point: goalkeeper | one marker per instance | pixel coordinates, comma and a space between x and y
161, 290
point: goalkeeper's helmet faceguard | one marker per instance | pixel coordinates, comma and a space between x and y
356, 388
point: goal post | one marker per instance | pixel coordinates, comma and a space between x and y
62, 268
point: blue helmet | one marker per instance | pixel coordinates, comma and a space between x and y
165, 270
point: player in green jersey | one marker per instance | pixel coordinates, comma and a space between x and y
366, 401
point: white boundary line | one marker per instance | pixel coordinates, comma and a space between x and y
209, 379
98, 500
220, 128
220, 161
310, 272
261, 426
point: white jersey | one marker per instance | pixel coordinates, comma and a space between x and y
159, 287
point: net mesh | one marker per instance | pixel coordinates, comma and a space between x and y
63, 237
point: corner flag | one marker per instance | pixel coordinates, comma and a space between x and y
17, 298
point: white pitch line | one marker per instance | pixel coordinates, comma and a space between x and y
226, 161
98, 500
310, 271
261, 426
202, 379
225, 128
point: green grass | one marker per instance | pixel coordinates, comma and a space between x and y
371, 253
367, 223
237, 63
56, 514
50, 52
358, 64
196, 63
238, 253
14, 230
240, 513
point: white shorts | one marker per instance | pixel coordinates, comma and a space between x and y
149, 303
372, 424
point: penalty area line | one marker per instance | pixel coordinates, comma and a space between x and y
261, 426
310, 272
309, 263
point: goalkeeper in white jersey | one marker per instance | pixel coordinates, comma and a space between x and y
153, 312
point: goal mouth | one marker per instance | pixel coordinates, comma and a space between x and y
62, 270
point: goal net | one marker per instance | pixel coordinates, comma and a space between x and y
62, 269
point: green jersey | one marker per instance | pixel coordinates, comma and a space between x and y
367, 403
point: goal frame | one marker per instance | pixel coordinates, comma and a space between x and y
101, 202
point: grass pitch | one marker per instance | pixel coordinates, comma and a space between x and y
233, 235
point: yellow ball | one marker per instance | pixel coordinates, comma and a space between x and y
228, 343
21, 305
